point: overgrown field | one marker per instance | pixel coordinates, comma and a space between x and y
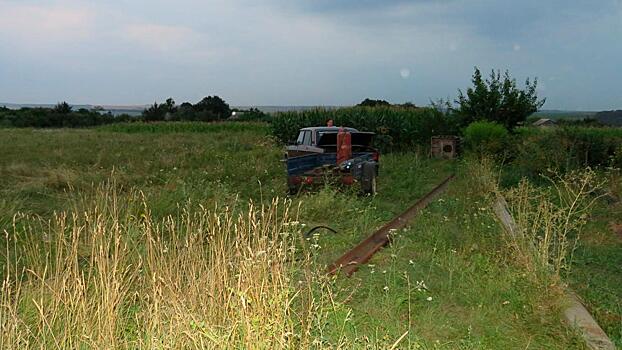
160, 236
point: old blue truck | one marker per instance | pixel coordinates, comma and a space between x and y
331, 154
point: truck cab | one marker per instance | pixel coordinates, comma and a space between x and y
320, 139
314, 159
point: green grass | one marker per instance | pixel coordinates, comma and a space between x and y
184, 127
597, 270
42, 170
480, 298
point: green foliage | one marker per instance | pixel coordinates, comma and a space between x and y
567, 148
159, 112
253, 114
373, 103
396, 128
62, 107
211, 108
498, 99
486, 138
61, 116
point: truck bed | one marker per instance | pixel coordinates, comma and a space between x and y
302, 164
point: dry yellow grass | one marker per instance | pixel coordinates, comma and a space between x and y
113, 277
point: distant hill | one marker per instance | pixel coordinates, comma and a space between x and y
561, 114
609, 117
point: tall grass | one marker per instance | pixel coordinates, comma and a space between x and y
567, 148
548, 220
111, 276
550, 223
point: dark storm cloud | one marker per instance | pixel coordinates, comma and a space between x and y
305, 52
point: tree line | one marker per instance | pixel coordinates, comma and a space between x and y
496, 99
209, 109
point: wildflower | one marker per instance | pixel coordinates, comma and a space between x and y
506, 302
429, 299
386, 288
411, 262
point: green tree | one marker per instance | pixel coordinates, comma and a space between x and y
497, 99
212, 107
158, 112
62, 108
373, 103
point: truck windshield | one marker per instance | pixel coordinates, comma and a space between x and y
304, 138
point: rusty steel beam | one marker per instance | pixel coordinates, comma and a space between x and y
351, 260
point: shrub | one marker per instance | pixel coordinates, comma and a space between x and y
486, 138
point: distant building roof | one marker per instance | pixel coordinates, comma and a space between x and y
544, 122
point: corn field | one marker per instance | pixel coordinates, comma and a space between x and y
397, 128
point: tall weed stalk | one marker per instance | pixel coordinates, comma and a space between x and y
112, 276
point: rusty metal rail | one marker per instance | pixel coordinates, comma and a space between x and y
351, 260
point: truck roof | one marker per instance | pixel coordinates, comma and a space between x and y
327, 128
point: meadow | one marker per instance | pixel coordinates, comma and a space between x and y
181, 236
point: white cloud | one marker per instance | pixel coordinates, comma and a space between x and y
162, 37
40, 25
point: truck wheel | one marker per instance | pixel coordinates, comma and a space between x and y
293, 190
368, 180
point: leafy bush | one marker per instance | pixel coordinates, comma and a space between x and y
567, 148
486, 138
397, 129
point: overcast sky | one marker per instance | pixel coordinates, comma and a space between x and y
309, 52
